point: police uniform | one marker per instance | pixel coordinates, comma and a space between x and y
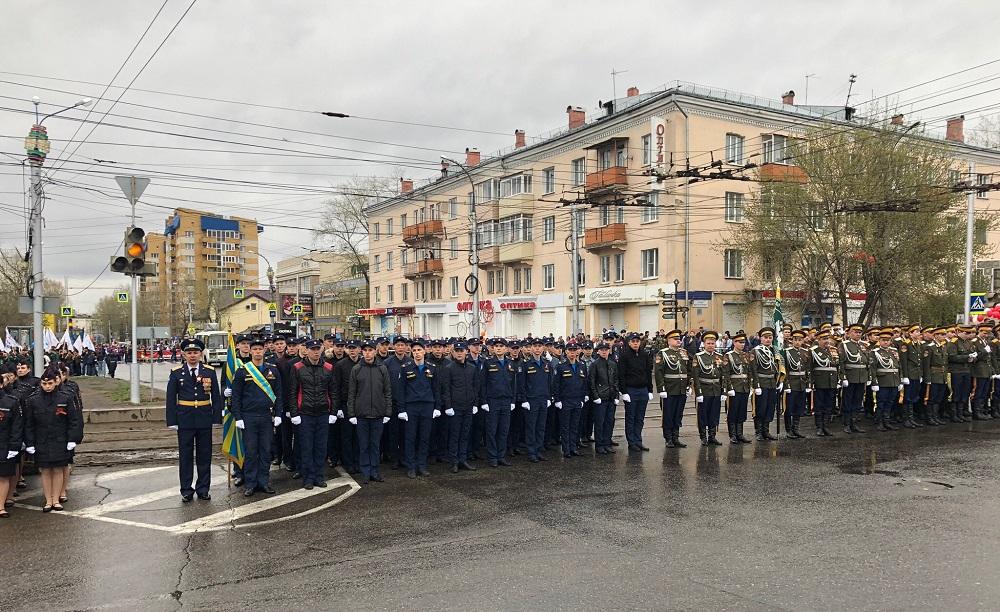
192, 410
569, 390
671, 370
256, 413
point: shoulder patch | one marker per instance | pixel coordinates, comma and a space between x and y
207, 366
177, 368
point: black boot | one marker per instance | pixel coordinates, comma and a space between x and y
733, 437
932, 415
795, 427
668, 434
703, 434
908, 421
766, 428
790, 433
759, 431
954, 413
880, 423
677, 439
995, 411
888, 424
740, 436
711, 436
826, 421
854, 425
848, 422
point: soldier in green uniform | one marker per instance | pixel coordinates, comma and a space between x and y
886, 381
935, 363
736, 373
911, 372
797, 368
825, 376
995, 358
960, 355
765, 370
982, 372
854, 366
671, 369
706, 377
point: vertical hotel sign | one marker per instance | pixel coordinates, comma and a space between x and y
658, 146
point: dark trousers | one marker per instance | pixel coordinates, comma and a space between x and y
912, 393
314, 431
111, 369
635, 414
981, 393
603, 415
673, 412
418, 436
767, 402
497, 427
885, 400
285, 448
938, 393
854, 396
795, 403
823, 404
534, 426
708, 411
394, 434
737, 407
349, 446
586, 429
369, 441
257, 443
569, 424
515, 438
333, 442
195, 448
459, 428
477, 432
961, 386
438, 447
551, 426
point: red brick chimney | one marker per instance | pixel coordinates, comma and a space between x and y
576, 116
897, 119
518, 139
405, 185
788, 97
956, 129
632, 92
472, 157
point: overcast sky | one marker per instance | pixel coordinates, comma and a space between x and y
485, 67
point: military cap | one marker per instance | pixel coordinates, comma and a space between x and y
459, 346
634, 336
886, 332
559, 345
269, 338
587, 344
475, 342
798, 333
292, 340
535, 341
329, 337
515, 344
603, 346
381, 340
940, 330
856, 327
339, 342
765, 331
192, 344
279, 337
418, 342
674, 333
243, 338
353, 344
437, 342
985, 327
256, 341
709, 335
929, 329
825, 326
399, 339
499, 341
910, 328
550, 341
367, 344
823, 333
787, 327
313, 343
572, 346
740, 338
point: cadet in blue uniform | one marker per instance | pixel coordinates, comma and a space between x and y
535, 396
569, 389
257, 407
194, 404
419, 405
496, 398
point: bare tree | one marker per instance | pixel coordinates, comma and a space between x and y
345, 223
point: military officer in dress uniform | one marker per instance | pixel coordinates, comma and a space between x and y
420, 406
854, 367
497, 394
736, 373
797, 389
765, 369
257, 405
995, 359
934, 360
535, 395
570, 391
982, 372
825, 377
194, 404
672, 369
886, 381
706, 378
911, 375
961, 353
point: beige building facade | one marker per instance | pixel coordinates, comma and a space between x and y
636, 236
330, 287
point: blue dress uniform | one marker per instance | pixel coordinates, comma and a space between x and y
192, 410
569, 389
535, 390
420, 402
252, 405
496, 397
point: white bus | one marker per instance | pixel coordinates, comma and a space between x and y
216, 343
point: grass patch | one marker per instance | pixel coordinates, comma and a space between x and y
108, 392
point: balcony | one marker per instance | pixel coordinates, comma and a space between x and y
518, 252
423, 267
615, 177
783, 173
489, 257
425, 230
487, 211
520, 204
610, 237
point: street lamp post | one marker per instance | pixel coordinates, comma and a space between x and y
37, 147
473, 247
271, 287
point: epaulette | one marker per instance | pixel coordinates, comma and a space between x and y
210, 367
953, 340
177, 368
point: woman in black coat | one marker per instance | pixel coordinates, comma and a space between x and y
52, 429
71, 387
10, 438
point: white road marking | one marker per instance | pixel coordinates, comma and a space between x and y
109, 476
125, 504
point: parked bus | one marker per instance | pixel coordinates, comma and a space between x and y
216, 343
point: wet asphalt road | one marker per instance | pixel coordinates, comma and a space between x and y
904, 520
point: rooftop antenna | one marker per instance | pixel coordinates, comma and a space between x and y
614, 86
808, 76
850, 85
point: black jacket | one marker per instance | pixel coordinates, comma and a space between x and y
635, 370
603, 379
459, 385
312, 388
11, 425
341, 382
369, 393
50, 421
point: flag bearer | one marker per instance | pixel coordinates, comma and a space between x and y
257, 406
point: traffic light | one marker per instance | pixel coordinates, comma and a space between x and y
133, 262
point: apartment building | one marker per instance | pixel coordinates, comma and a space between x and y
200, 257
636, 236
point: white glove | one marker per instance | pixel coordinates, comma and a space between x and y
485, 407
353, 420
906, 381
548, 404
626, 398
512, 407
297, 420
277, 421
987, 349
435, 414
340, 414
875, 388
780, 387
900, 388
475, 410
70, 446
288, 415
996, 376
526, 405
663, 394
173, 427
331, 419
787, 391
586, 398
808, 390
700, 398
757, 391
843, 384
972, 357
450, 412
30, 450
731, 393
240, 424
597, 402
559, 405
973, 354
402, 416
11, 454
385, 420
650, 396
228, 392
722, 397
868, 383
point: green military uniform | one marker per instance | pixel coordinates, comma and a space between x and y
736, 380
935, 363
671, 370
706, 378
765, 372
825, 376
960, 356
886, 383
797, 368
995, 358
911, 372
982, 375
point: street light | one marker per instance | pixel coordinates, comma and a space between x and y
474, 247
36, 145
271, 287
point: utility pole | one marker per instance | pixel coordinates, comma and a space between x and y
132, 187
473, 247
575, 269
970, 223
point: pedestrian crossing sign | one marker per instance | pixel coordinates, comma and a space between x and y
123, 297
272, 307
977, 303
296, 308
66, 311
239, 293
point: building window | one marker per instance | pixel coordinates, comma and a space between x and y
378, 294
189, 258
605, 269
189, 234
619, 267
421, 291
548, 276
982, 179
513, 229
252, 306
404, 292
375, 231
581, 271
515, 185
578, 171
517, 281
388, 295
650, 263
388, 260
647, 149
402, 220
453, 281
734, 148
581, 221
378, 263
734, 207
486, 191
388, 227
526, 281
954, 178
548, 229
453, 208
734, 263
549, 180
651, 212
404, 257
620, 215
605, 215
774, 149
453, 248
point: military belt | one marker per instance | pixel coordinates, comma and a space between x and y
675, 376
765, 376
710, 381
796, 373
194, 403
825, 369
738, 376
886, 371
856, 366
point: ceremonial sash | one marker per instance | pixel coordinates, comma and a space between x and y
258, 378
